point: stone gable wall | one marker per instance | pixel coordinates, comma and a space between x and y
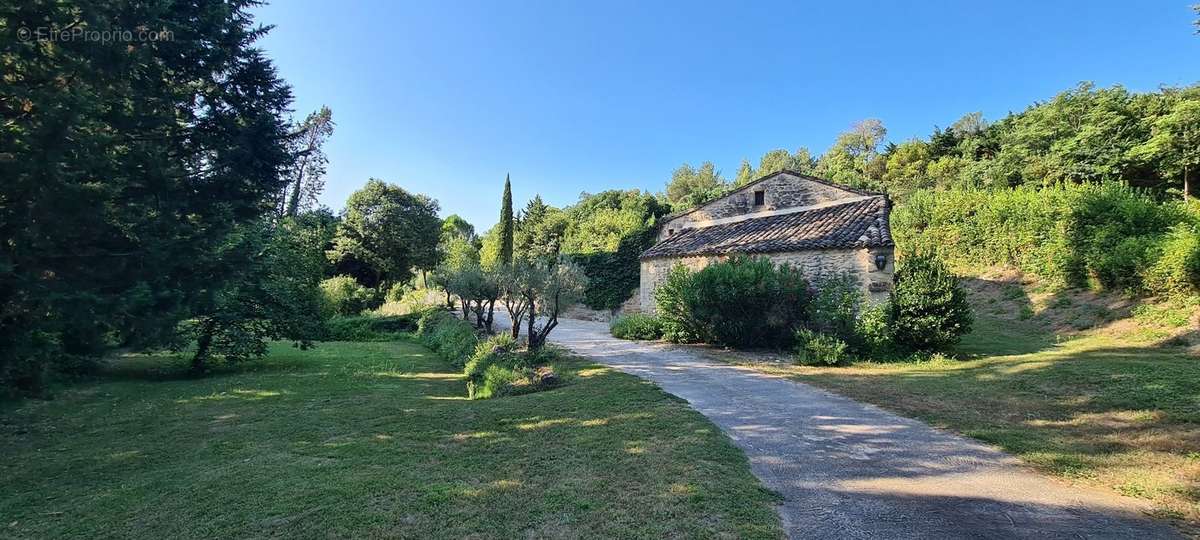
876, 284
779, 192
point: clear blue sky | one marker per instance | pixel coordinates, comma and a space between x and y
444, 98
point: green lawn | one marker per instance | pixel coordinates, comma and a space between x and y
367, 440
1092, 410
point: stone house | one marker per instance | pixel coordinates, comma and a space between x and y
787, 217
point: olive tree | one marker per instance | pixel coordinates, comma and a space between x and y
546, 291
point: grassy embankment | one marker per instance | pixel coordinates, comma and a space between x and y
366, 440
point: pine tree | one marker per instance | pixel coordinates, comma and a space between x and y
506, 224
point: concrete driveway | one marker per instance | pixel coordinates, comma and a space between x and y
851, 470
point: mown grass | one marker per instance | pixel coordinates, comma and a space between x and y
367, 440
1094, 409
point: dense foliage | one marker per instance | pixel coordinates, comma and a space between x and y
494, 366
743, 301
820, 349
449, 336
1082, 135
750, 302
1107, 235
636, 326
271, 294
928, 309
385, 233
343, 295
606, 234
369, 327
127, 166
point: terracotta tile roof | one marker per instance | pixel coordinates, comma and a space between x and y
860, 223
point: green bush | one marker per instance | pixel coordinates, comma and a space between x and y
345, 296
368, 327
498, 350
814, 348
453, 338
636, 326
396, 292
928, 308
743, 301
834, 309
874, 337
1176, 271
499, 380
1108, 234
674, 312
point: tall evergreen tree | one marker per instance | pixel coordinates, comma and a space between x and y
127, 168
506, 224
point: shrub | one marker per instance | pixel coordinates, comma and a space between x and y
497, 369
674, 311
834, 309
1177, 270
368, 327
874, 337
345, 296
928, 308
497, 350
815, 348
396, 292
738, 302
453, 338
636, 326
1063, 234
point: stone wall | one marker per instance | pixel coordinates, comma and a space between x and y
876, 283
779, 192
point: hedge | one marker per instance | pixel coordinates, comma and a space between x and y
448, 335
1106, 236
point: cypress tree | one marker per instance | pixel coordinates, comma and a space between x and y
506, 224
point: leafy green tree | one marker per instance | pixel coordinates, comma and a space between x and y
690, 187
127, 167
386, 232
343, 295
546, 291
928, 307
512, 279
489, 249
607, 232
745, 174
506, 224
1175, 143
540, 229
854, 159
455, 227
458, 255
273, 294
307, 176
907, 167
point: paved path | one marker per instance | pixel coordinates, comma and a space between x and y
850, 470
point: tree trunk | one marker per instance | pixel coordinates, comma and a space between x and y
293, 203
466, 308
1187, 191
487, 323
203, 344
530, 335
516, 318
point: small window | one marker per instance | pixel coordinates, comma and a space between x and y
670, 232
760, 198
